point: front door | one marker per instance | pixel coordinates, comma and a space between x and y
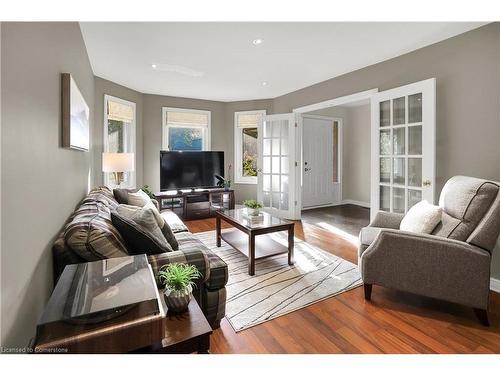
276, 185
320, 154
403, 145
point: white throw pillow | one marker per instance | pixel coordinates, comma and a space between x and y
421, 218
139, 199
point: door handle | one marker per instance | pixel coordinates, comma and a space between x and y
307, 169
426, 183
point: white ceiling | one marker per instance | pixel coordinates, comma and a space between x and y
218, 61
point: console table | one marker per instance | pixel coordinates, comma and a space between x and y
193, 204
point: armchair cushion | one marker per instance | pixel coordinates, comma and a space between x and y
467, 199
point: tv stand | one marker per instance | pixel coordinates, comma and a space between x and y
191, 204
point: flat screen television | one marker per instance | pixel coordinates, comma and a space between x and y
190, 169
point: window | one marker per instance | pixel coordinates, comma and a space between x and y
185, 129
119, 136
246, 127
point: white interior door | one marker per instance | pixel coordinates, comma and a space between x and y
276, 184
403, 143
320, 169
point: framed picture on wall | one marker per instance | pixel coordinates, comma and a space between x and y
75, 116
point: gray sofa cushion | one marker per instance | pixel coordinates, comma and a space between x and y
121, 195
174, 222
366, 237
140, 229
468, 200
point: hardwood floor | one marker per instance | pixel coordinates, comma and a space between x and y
392, 322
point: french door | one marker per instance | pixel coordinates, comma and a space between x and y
403, 145
276, 165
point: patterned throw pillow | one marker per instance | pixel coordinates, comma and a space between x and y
139, 227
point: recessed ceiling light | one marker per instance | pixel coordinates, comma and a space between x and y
257, 41
264, 83
153, 66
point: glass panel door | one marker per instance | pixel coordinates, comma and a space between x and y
403, 159
276, 165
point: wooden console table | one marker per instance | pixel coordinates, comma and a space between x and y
70, 323
196, 204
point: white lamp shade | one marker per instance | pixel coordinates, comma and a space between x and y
117, 162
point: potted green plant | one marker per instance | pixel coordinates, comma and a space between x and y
178, 280
253, 207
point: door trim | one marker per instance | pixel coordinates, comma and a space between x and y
361, 95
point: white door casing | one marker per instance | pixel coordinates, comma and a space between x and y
403, 142
276, 165
319, 187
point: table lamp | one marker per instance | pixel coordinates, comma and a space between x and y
117, 163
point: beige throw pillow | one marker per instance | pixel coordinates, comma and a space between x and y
139, 199
421, 218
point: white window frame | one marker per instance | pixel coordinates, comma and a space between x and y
133, 174
238, 139
206, 140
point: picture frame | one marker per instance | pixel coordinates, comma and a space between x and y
75, 116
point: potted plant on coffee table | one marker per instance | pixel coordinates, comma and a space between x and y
253, 207
178, 280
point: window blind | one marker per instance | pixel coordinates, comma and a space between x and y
189, 119
249, 120
120, 112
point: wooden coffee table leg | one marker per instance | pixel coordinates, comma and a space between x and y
217, 230
290, 244
251, 254
204, 345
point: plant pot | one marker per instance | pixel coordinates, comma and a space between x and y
253, 211
177, 301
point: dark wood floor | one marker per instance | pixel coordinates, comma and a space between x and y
393, 322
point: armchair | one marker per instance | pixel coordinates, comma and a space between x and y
453, 263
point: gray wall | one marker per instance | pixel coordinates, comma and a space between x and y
222, 133
467, 70
105, 87
152, 108
356, 155
41, 181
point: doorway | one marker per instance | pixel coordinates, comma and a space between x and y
322, 161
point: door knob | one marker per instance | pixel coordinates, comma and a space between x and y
426, 183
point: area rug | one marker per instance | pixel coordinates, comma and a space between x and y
277, 288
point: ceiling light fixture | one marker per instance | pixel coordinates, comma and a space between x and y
153, 66
256, 42
264, 83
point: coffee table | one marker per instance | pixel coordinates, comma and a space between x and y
252, 237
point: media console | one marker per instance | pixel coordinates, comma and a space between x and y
192, 204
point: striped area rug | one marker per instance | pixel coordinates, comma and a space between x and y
278, 288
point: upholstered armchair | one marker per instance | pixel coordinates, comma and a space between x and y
452, 263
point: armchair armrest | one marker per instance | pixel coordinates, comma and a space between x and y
191, 256
387, 220
429, 265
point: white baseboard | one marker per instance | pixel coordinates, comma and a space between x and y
357, 203
495, 285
